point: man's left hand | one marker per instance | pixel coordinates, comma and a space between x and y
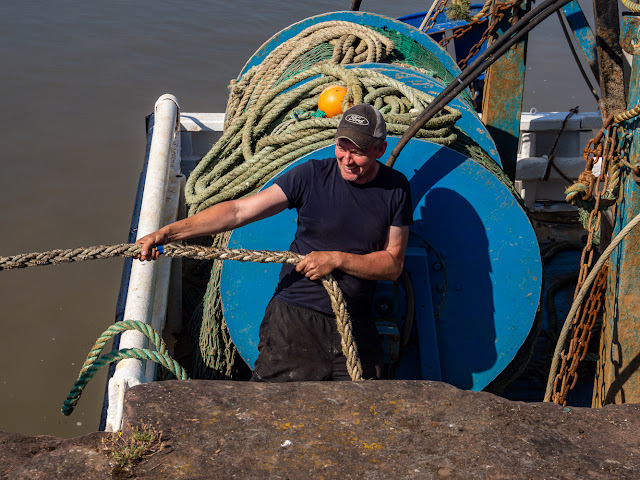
316, 265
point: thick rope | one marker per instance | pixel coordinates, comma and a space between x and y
115, 355
144, 328
281, 127
578, 302
53, 257
632, 6
628, 114
353, 43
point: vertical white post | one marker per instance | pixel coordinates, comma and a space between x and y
163, 161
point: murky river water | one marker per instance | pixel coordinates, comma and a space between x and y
77, 80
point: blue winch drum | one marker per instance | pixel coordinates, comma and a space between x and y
473, 258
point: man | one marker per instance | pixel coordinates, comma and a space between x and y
353, 218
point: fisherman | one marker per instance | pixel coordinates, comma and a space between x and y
353, 222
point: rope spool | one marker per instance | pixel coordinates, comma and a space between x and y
352, 43
273, 123
281, 127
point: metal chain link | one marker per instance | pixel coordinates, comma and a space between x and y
437, 11
609, 156
496, 14
578, 346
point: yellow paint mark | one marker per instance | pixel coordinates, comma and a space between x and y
393, 402
356, 413
372, 446
285, 426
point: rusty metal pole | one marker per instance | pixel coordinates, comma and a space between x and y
618, 370
502, 98
607, 26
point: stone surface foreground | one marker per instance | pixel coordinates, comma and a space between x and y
364, 430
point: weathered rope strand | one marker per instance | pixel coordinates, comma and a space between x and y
144, 328
628, 114
632, 6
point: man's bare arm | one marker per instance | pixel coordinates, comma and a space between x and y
218, 218
385, 264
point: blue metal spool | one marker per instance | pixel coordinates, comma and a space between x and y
473, 257
470, 237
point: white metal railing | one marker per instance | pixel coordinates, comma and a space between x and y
538, 131
149, 281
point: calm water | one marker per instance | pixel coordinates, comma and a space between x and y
77, 80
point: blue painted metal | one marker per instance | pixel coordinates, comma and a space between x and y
582, 33
442, 21
362, 18
420, 260
618, 375
484, 286
502, 99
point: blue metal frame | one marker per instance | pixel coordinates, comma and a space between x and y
582, 33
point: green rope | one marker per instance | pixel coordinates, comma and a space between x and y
92, 364
119, 327
258, 143
113, 356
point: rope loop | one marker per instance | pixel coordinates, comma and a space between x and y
115, 355
632, 6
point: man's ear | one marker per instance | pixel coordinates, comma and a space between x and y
381, 149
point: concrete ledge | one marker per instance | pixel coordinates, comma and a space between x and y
386, 429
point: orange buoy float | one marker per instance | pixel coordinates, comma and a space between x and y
330, 100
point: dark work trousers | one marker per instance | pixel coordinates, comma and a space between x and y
300, 344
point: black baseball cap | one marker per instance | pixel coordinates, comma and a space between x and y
363, 125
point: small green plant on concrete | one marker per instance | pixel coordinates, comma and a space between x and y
126, 449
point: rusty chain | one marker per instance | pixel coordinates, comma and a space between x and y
579, 344
437, 11
496, 14
582, 324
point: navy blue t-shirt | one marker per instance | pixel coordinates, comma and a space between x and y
335, 214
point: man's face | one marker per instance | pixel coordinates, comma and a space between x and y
356, 165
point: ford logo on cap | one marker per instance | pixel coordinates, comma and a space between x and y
355, 118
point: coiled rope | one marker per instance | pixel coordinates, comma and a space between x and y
338, 304
259, 143
352, 43
632, 6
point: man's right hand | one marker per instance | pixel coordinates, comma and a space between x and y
149, 242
